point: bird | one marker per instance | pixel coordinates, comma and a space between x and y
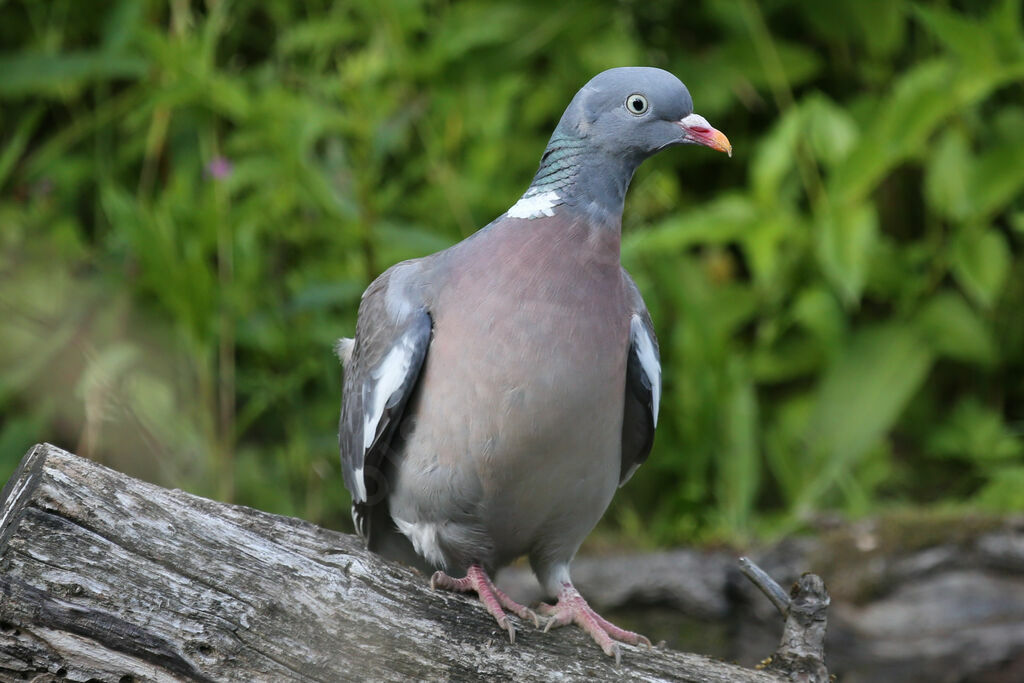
498, 392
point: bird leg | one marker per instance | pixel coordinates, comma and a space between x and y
493, 598
572, 608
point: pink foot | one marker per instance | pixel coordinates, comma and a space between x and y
572, 608
493, 598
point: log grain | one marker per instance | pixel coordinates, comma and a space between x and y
107, 578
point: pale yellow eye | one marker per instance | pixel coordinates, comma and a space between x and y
636, 104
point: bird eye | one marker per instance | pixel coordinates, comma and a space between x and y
637, 104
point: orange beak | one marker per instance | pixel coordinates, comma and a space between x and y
697, 130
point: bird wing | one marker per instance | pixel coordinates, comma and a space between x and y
643, 385
382, 367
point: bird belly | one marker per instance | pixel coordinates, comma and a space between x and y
512, 444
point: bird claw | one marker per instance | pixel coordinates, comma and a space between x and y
572, 608
556, 619
493, 598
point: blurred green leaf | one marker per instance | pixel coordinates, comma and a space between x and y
798, 62
896, 127
817, 310
981, 262
953, 329
876, 23
830, 128
998, 177
788, 360
739, 476
901, 124
969, 40
881, 24
786, 449
122, 23
54, 75
325, 294
845, 239
776, 156
948, 176
1017, 221
769, 244
860, 398
722, 220
1004, 491
975, 433
13, 150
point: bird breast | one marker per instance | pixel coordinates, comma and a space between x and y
521, 396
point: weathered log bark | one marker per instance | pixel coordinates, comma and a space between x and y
104, 577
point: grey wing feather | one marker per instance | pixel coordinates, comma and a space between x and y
381, 368
643, 385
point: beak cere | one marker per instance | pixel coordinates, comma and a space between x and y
697, 130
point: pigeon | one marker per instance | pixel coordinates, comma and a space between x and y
498, 392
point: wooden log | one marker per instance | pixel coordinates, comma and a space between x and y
108, 578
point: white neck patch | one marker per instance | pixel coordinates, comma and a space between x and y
535, 206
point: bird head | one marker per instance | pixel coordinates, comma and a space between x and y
636, 112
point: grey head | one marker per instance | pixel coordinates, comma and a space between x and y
619, 118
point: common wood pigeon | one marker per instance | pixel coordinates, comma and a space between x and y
498, 392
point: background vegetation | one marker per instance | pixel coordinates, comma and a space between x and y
193, 195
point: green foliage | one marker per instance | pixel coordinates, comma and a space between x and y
194, 195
